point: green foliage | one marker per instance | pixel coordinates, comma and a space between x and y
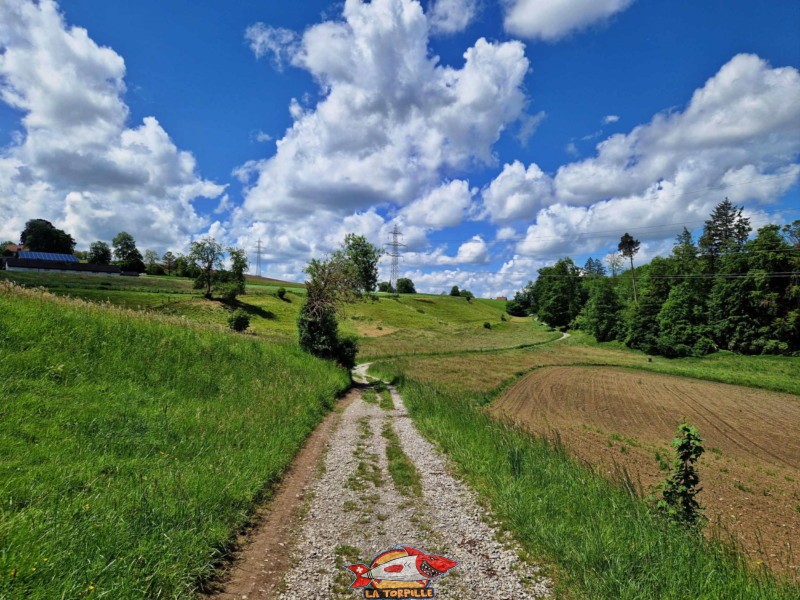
487, 325
724, 232
281, 293
186, 267
169, 262
239, 265
466, 294
126, 254
594, 268
454, 291
386, 287
682, 329
207, 254
523, 303
319, 335
99, 254
405, 286
679, 490
42, 236
559, 294
239, 320
602, 315
363, 256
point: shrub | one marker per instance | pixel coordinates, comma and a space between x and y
679, 489
239, 320
487, 325
282, 293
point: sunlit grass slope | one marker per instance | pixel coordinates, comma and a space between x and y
133, 446
408, 324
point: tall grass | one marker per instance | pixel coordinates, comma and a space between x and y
132, 447
603, 541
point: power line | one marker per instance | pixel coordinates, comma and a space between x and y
395, 246
258, 258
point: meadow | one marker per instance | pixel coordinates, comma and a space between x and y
154, 348
582, 505
135, 445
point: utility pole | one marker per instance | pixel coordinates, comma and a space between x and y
258, 259
394, 252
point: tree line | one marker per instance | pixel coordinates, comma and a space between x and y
204, 263
726, 291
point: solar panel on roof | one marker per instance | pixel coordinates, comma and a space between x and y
49, 256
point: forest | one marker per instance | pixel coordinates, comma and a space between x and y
729, 290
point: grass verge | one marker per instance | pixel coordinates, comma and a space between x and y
134, 446
605, 542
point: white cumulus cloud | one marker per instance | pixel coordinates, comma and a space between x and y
553, 19
279, 44
518, 193
451, 16
445, 206
392, 124
77, 162
738, 137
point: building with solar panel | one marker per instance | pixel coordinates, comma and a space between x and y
55, 263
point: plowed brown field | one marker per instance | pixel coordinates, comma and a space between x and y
615, 417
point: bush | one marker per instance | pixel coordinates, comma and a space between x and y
320, 336
282, 293
487, 325
227, 290
346, 352
405, 286
239, 320
682, 484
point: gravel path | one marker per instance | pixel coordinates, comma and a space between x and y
356, 512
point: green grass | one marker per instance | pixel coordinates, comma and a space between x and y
602, 541
134, 446
404, 474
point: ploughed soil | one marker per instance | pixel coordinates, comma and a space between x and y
621, 420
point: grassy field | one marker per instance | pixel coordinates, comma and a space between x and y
159, 449
596, 531
386, 325
133, 446
492, 371
602, 541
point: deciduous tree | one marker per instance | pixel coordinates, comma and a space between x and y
405, 286
364, 257
207, 254
99, 253
127, 255
42, 236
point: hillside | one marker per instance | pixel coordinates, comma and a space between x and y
135, 445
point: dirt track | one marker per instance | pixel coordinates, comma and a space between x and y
353, 511
612, 416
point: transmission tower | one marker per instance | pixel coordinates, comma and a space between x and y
258, 259
394, 252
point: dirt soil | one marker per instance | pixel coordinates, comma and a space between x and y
616, 418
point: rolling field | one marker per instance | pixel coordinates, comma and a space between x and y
617, 417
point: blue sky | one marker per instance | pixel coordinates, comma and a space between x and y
499, 135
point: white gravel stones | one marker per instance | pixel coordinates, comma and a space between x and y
356, 513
